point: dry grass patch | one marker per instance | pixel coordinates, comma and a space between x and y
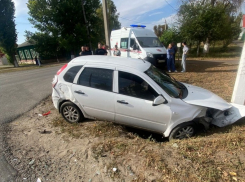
214, 76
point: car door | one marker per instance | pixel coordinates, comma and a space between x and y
94, 91
134, 104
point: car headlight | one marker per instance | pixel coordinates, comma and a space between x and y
149, 54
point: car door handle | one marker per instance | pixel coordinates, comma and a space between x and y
79, 92
122, 102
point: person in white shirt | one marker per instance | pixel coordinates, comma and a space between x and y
183, 62
116, 52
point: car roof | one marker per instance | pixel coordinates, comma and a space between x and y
138, 64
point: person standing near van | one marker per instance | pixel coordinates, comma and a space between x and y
183, 62
100, 50
116, 52
170, 59
82, 53
175, 50
88, 51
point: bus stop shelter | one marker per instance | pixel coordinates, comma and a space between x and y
26, 51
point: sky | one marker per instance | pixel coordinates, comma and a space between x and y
143, 12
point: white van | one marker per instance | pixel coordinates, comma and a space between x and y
140, 43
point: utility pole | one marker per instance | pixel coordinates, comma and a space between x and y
106, 24
86, 24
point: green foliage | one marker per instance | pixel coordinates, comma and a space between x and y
113, 20
169, 36
62, 26
8, 34
208, 22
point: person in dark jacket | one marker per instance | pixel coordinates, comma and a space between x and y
82, 53
87, 51
100, 50
175, 50
170, 60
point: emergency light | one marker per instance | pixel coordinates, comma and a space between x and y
142, 26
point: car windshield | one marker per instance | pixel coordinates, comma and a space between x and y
149, 42
164, 81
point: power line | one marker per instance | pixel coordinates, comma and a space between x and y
171, 5
136, 21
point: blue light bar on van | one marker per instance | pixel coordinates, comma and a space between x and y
143, 26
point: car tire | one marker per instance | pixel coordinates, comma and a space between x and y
71, 113
182, 131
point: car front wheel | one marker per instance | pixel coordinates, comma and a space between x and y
71, 112
182, 131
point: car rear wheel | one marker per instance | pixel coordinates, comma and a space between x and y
182, 131
71, 112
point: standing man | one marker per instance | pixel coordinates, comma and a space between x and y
88, 51
100, 51
175, 50
183, 62
170, 60
82, 53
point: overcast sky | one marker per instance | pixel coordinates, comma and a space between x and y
149, 13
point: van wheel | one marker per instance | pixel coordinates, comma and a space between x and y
182, 131
71, 112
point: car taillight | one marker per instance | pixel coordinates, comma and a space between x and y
61, 69
55, 80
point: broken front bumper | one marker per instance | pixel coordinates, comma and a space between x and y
229, 116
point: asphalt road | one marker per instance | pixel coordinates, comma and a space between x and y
19, 92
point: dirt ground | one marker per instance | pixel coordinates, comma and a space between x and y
51, 149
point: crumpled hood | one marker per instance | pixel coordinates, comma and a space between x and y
202, 97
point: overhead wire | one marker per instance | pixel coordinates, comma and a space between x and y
171, 5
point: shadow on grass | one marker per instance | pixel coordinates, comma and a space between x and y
222, 130
203, 66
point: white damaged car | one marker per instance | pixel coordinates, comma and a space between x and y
133, 92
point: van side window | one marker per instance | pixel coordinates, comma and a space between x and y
124, 43
96, 78
132, 42
134, 86
71, 73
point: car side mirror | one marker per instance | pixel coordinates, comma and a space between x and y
159, 100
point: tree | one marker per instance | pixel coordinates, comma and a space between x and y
206, 23
170, 35
231, 5
8, 34
63, 21
160, 29
113, 19
69, 24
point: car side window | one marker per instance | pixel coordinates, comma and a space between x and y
132, 85
124, 43
97, 78
71, 73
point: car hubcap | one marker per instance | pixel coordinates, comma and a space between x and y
185, 132
71, 113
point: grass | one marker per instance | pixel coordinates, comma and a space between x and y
218, 51
216, 155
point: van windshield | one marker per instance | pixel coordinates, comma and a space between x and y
165, 82
149, 42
